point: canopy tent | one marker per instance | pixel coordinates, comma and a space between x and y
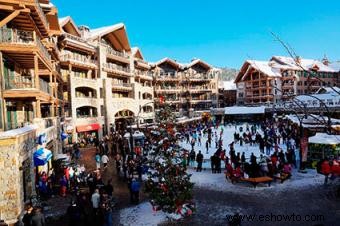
323, 138
42, 156
235, 110
136, 134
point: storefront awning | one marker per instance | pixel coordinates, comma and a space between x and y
42, 156
87, 128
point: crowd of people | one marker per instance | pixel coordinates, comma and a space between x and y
276, 141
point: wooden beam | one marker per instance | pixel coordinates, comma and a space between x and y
9, 18
6, 8
36, 72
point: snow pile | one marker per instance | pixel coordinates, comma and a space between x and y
144, 215
141, 215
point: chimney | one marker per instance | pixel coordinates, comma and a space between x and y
84, 30
298, 60
325, 60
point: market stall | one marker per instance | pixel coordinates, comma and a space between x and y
323, 146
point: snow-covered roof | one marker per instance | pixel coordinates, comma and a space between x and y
166, 59
135, 50
115, 34
324, 138
16, 132
264, 67
64, 20
236, 110
335, 65
324, 94
229, 85
99, 32
198, 61
307, 64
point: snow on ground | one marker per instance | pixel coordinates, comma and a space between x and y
141, 215
228, 137
218, 182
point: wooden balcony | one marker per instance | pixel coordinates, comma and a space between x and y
24, 87
142, 64
114, 69
143, 75
117, 56
78, 61
168, 90
167, 76
195, 101
76, 42
34, 18
21, 46
203, 77
198, 89
122, 86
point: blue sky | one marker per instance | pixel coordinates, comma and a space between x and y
221, 32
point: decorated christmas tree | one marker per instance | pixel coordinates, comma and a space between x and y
168, 183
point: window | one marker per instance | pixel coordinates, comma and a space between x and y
299, 83
101, 93
102, 110
138, 95
305, 83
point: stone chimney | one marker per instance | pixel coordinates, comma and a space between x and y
325, 60
84, 30
298, 59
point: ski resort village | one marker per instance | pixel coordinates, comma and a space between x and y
141, 123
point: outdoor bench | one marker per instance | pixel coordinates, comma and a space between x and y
256, 180
282, 177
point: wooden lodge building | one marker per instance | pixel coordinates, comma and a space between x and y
281, 78
191, 89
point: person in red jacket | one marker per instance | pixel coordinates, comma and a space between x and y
326, 170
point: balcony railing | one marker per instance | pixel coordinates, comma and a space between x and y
142, 61
116, 67
168, 88
25, 82
19, 82
111, 51
44, 86
79, 59
199, 88
126, 85
202, 76
74, 38
9, 35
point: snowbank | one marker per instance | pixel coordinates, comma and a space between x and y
141, 215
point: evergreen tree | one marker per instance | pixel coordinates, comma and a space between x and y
168, 183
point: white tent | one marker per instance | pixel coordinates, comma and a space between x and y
136, 134
235, 110
324, 138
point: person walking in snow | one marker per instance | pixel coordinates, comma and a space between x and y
199, 160
207, 146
